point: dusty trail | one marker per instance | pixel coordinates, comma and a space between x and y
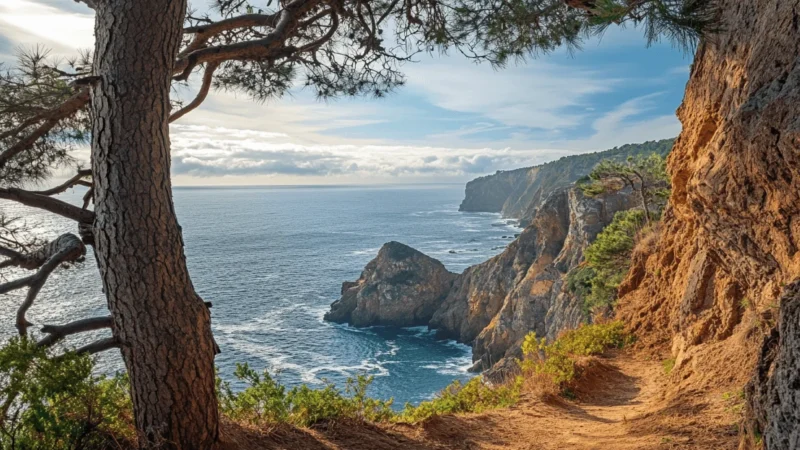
620, 405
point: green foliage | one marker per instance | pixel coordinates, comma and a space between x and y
646, 175
682, 22
32, 86
558, 359
265, 401
606, 261
474, 396
580, 279
668, 365
745, 303
589, 187
734, 401
56, 403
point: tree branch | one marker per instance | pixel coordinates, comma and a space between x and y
208, 77
205, 32
78, 179
67, 248
58, 332
50, 118
255, 49
99, 346
46, 203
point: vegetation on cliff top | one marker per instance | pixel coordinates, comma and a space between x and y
644, 175
607, 259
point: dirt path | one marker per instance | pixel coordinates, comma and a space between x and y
619, 405
613, 395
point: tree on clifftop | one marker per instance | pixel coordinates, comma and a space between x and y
118, 99
645, 175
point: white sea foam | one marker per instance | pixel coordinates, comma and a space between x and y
393, 349
456, 366
368, 251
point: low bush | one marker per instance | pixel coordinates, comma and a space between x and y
606, 261
52, 402
668, 365
476, 395
265, 401
559, 359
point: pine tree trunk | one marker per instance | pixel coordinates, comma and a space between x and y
644, 206
162, 324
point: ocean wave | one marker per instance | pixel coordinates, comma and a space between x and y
456, 366
368, 251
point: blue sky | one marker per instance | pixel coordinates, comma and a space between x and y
453, 121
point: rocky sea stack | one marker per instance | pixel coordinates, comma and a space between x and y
401, 287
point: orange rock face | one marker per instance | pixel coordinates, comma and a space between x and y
708, 288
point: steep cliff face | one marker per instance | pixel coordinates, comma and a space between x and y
729, 240
490, 193
520, 193
492, 305
400, 287
495, 309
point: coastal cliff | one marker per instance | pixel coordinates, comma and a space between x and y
491, 305
520, 193
709, 288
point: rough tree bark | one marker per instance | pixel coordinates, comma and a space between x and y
162, 325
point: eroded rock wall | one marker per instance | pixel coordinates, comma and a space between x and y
493, 305
708, 288
774, 392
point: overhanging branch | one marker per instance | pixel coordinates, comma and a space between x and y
46, 203
49, 118
208, 77
67, 248
99, 346
254, 49
78, 179
58, 332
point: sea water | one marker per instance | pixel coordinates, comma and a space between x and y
272, 259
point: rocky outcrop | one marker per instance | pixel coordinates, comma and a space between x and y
492, 305
520, 193
729, 239
774, 392
400, 287
496, 303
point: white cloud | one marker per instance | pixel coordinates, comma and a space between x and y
475, 119
237, 153
542, 95
27, 23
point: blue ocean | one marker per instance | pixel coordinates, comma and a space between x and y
272, 259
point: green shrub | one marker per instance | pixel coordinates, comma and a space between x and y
607, 261
558, 359
474, 396
590, 187
265, 401
668, 365
56, 403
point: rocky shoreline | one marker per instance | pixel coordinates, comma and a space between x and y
492, 305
